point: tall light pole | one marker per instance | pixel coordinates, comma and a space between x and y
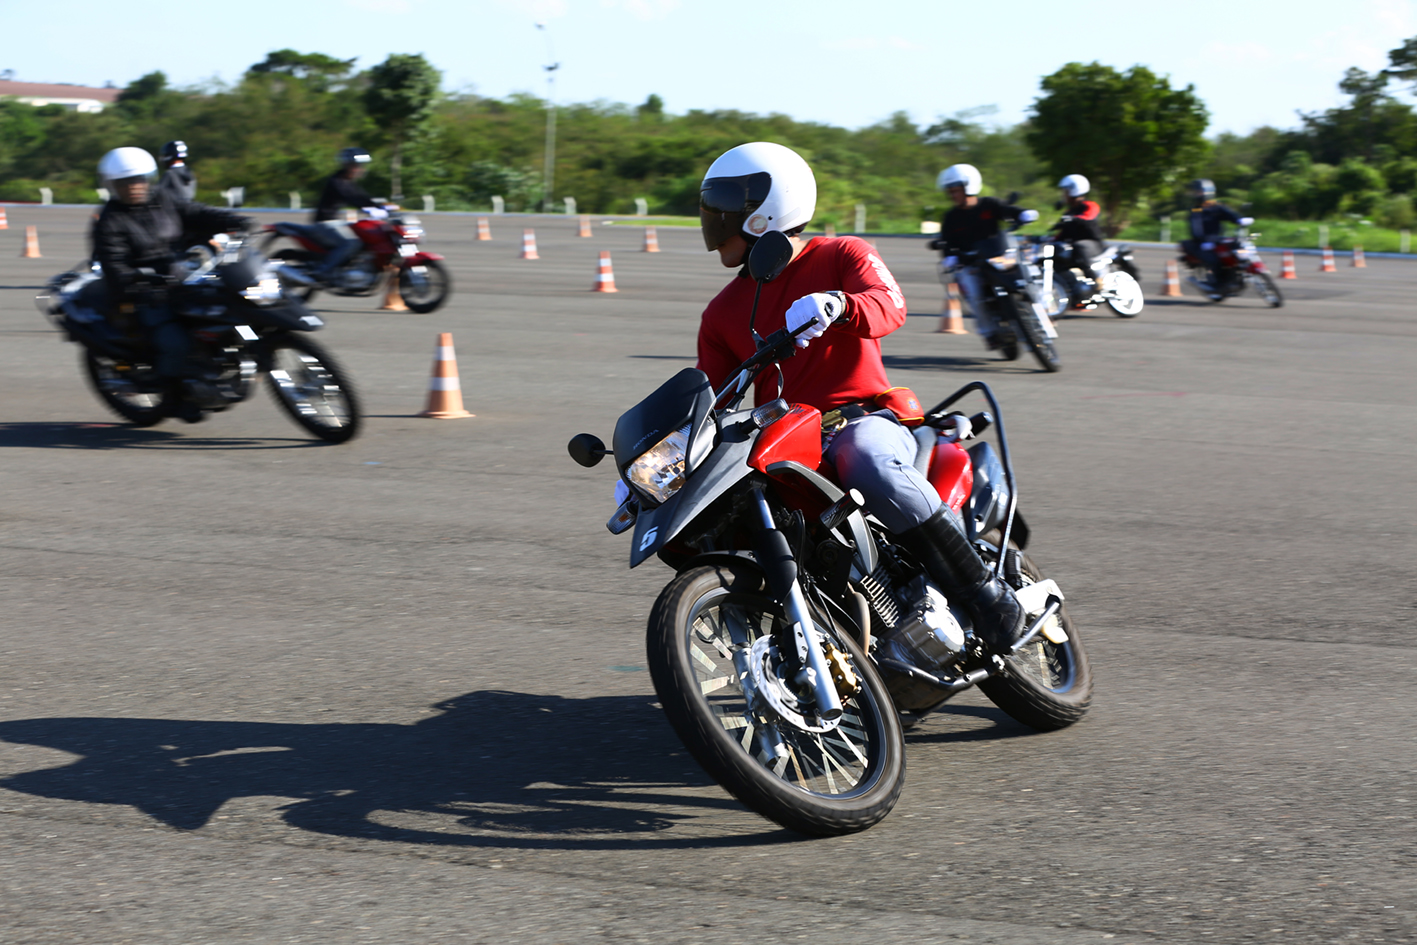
549, 176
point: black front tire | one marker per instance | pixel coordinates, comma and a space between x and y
426, 290
1046, 686
311, 387
1266, 289
1033, 335
725, 734
128, 388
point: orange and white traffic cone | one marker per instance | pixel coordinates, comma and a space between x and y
1173, 280
393, 301
4, 223
1327, 264
484, 230
1287, 271
529, 245
605, 279
830, 231
31, 243
651, 240
1358, 261
952, 321
444, 388
585, 228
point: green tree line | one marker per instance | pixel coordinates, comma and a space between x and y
278, 127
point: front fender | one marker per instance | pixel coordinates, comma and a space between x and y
421, 257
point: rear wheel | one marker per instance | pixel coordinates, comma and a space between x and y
1266, 289
713, 655
1124, 295
1045, 685
130, 389
1033, 335
313, 389
424, 286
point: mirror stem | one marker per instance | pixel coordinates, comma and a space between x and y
753, 317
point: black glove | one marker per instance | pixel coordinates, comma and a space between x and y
935, 244
146, 276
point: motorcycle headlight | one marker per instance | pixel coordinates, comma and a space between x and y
263, 292
413, 233
659, 471
1007, 261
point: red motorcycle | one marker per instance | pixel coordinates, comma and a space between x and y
389, 246
797, 636
1240, 265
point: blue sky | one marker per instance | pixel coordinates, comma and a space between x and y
847, 63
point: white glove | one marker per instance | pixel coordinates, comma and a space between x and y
1207, 246
1028, 216
819, 307
376, 213
622, 492
1247, 221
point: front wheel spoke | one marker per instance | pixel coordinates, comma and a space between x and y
827, 740
699, 657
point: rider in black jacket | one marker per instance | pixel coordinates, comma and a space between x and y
1206, 226
1078, 225
972, 218
177, 183
137, 238
341, 191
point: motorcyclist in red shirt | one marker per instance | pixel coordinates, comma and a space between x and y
845, 292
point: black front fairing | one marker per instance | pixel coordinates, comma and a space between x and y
686, 398
725, 466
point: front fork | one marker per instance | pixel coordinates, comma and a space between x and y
775, 556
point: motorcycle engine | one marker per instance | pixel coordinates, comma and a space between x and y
929, 636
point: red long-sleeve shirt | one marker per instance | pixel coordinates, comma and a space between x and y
842, 366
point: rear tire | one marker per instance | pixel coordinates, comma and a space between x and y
1033, 335
127, 388
313, 389
1046, 686
425, 291
1266, 289
701, 636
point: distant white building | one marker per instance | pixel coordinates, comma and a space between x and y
78, 98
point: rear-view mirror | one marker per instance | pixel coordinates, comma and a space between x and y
769, 256
587, 449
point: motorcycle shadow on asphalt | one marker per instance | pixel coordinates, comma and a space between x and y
491, 769
103, 436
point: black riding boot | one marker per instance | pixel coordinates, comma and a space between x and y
956, 567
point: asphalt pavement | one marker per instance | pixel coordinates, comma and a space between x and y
258, 689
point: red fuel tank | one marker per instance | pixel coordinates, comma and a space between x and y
951, 473
796, 437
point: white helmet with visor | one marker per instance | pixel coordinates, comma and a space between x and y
961, 175
1075, 185
123, 163
754, 188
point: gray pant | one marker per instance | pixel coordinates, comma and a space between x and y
876, 456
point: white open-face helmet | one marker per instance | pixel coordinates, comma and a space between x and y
1074, 185
755, 188
122, 163
966, 175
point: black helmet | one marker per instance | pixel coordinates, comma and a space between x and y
173, 151
353, 157
1201, 189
